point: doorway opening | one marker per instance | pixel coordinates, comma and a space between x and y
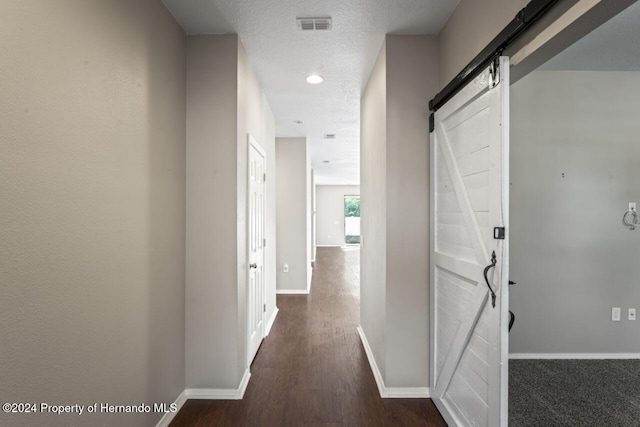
575, 344
352, 220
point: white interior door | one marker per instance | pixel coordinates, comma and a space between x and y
469, 178
256, 209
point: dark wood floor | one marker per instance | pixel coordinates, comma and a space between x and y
312, 369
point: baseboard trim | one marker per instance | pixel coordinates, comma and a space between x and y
169, 416
390, 392
244, 383
551, 356
372, 361
407, 393
220, 393
270, 322
292, 291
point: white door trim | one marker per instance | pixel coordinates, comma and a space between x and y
252, 143
505, 73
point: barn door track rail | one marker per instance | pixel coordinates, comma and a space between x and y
528, 16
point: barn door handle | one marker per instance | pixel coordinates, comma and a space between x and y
254, 265
494, 260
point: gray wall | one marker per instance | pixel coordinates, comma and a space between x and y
330, 213
292, 214
224, 103
394, 208
570, 254
92, 172
373, 210
412, 79
211, 300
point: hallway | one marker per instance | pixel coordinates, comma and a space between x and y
312, 370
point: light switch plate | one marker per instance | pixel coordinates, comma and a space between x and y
615, 314
632, 314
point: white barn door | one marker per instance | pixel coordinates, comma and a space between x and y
256, 210
469, 183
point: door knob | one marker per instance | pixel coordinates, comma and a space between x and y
254, 265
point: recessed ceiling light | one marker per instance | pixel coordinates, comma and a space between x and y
299, 122
325, 161
314, 79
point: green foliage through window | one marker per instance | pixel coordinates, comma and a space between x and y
352, 206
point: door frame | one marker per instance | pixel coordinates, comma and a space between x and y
565, 24
252, 143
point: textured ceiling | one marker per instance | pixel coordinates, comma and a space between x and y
614, 46
283, 56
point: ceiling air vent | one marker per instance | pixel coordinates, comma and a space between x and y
314, 24
329, 136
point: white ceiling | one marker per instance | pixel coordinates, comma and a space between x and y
283, 56
614, 46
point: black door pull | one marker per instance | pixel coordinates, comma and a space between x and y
494, 260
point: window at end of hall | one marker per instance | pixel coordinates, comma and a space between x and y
352, 219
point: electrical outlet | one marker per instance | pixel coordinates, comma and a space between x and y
285, 269
632, 314
615, 314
